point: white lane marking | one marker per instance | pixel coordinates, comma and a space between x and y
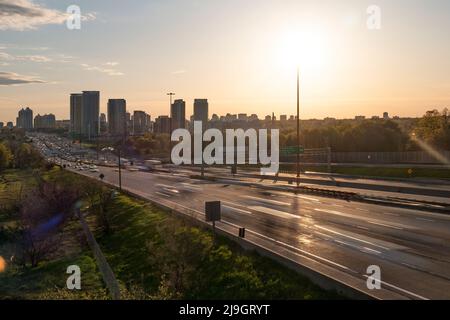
372, 250
384, 225
363, 228
399, 289
234, 204
274, 212
361, 209
360, 218
268, 201
391, 214
309, 198
351, 237
237, 210
423, 219
164, 186
284, 194
162, 194
297, 249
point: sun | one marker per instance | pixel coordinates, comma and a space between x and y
304, 47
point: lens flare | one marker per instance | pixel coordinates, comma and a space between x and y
2, 264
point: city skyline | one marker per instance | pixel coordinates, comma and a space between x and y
348, 70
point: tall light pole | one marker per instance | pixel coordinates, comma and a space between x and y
298, 126
170, 94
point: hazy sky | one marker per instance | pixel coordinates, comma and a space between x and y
240, 54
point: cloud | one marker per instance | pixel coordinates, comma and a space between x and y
111, 64
108, 71
26, 15
10, 79
179, 71
33, 58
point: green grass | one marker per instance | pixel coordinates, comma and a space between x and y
148, 249
141, 252
48, 280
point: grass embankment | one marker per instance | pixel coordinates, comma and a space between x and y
154, 255
157, 255
48, 279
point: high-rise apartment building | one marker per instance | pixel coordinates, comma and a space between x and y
117, 117
201, 111
76, 101
47, 121
25, 119
178, 114
162, 124
140, 122
90, 114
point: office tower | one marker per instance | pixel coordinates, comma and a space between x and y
103, 123
10, 125
139, 122
162, 124
76, 101
201, 111
25, 119
2, 125
117, 117
386, 116
47, 121
90, 112
178, 114
283, 118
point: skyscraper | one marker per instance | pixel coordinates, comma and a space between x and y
178, 114
47, 121
117, 110
90, 112
25, 119
162, 124
76, 101
103, 123
139, 122
201, 111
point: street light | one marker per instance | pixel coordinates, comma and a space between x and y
170, 94
298, 126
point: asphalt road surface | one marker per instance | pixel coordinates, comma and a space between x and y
412, 248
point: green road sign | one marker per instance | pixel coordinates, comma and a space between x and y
292, 150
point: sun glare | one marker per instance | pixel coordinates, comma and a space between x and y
306, 48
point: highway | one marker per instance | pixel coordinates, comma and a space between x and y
337, 238
411, 247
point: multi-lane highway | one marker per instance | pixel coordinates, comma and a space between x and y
411, 247
338, 238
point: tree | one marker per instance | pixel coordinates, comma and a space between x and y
42, 215
434, 129
179, 253
26, 157
5, 157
